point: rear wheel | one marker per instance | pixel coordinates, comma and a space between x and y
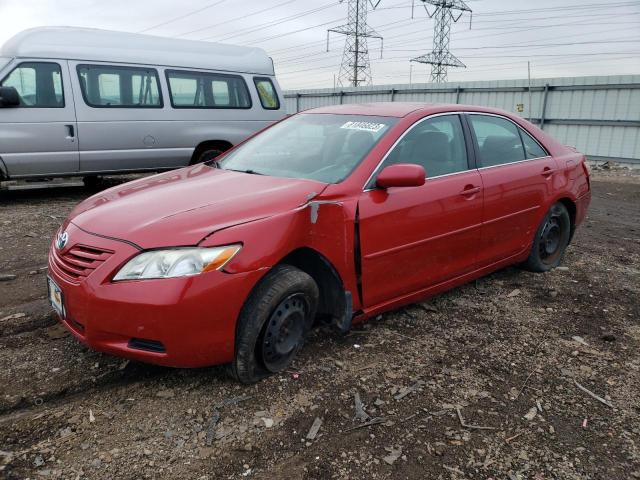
273, 323
551, 240
208, 155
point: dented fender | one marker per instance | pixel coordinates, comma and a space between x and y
326, 226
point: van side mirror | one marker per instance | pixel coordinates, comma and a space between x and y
9, 97
401, 175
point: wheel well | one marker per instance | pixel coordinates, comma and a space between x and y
209, 145
332, 295
571, 208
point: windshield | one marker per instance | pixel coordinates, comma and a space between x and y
3, 61
321, 147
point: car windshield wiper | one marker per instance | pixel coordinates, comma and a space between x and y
248, 170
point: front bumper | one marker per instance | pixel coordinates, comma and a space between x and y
178, 322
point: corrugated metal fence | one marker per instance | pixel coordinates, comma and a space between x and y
598, 115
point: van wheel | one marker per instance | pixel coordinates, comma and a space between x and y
274, 323
92, 181
208, 155
551, 240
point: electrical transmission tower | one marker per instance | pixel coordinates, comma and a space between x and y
355, 69
440, 58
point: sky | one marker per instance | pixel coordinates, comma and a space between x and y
559, 38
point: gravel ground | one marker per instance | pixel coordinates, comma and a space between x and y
514, 376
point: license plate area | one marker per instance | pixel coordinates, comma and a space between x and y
56, 297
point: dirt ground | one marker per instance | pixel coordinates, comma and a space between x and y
477, 383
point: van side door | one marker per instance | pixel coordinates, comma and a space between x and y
123, 118
38, 137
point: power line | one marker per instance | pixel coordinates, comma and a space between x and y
241, 17
175, 19
273, 23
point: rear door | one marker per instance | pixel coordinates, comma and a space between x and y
39, 136
416, 237
517, 175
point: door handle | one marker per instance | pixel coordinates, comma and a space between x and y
547, 172
71, 131
470, 190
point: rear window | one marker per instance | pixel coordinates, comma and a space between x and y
207, 90
267, 93
119, 87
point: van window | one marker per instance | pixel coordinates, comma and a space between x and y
207, 90
108, 86
39, 84
267, 93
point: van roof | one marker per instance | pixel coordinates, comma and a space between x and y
91, 44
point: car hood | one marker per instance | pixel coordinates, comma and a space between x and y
182, 207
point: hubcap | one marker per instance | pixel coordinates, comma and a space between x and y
284, 332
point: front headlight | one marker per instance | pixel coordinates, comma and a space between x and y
176, 262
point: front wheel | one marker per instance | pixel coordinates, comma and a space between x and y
273, 323
551, 240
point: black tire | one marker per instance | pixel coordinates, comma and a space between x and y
208, 155
92, 181
281, 307
551, 240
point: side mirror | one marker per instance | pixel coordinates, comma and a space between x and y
401, 175
9, 97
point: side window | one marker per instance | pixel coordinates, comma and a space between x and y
437, 144
531, 147
39, 84
207, 90
119, 87
498, 139
267, 93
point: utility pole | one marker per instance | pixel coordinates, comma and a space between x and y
440, 58
355, 69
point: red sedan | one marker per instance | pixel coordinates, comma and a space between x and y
337, 213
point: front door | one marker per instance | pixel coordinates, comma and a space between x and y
517, 175
415, 237
39, 136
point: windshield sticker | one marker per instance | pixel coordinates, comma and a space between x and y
366, 126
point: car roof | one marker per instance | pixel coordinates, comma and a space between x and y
402, 109
92, 44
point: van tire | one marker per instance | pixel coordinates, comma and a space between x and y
281, 307
92, 181
208, 155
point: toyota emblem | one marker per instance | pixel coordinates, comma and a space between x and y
62, 240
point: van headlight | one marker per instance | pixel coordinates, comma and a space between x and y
176, 262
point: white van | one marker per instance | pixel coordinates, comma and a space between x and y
84, 102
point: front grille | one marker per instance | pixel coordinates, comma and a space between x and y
79, 261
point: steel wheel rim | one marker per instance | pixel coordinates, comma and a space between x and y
284, 332
552, 238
